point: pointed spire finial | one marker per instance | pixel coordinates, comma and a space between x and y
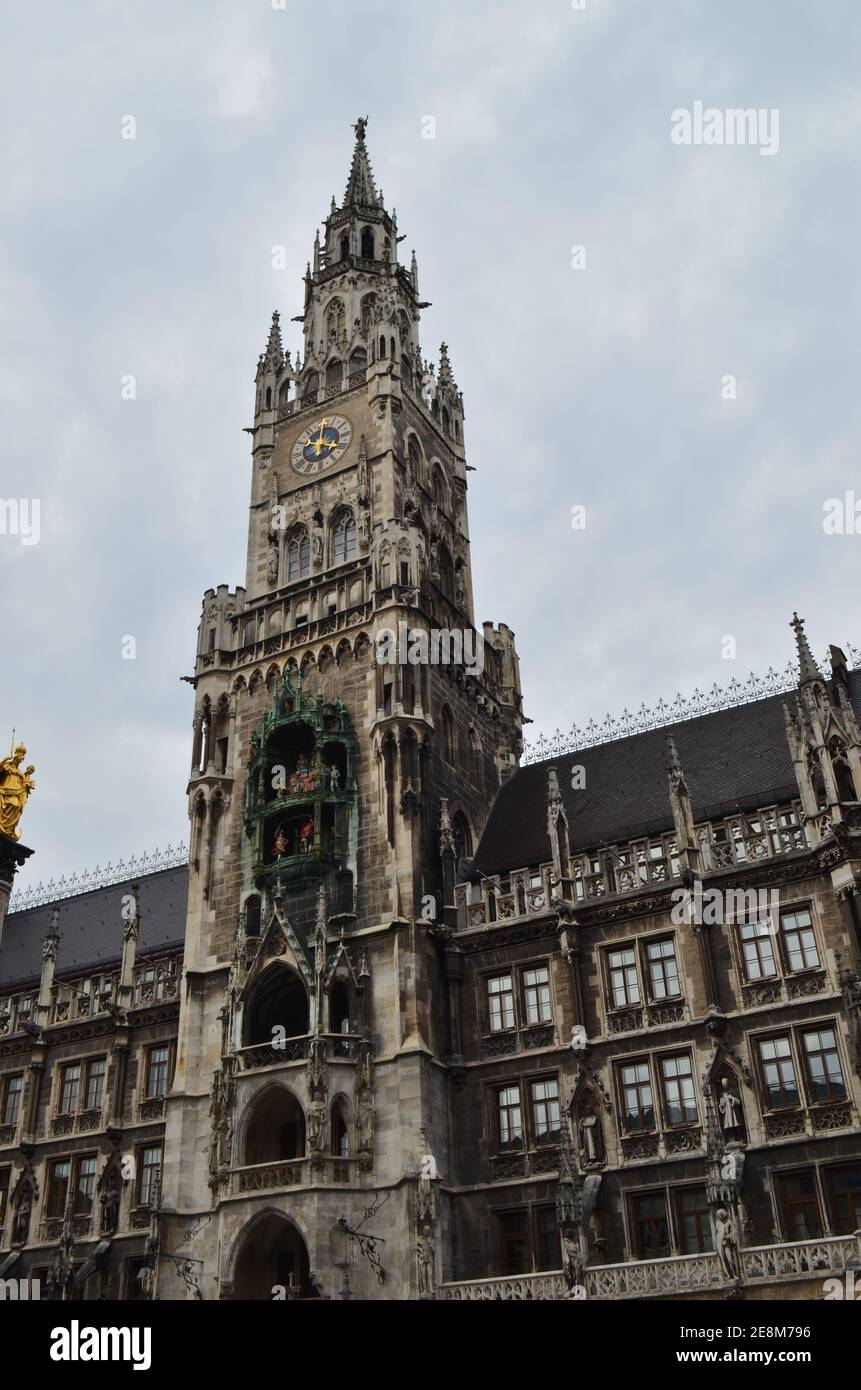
361, 189
807, 668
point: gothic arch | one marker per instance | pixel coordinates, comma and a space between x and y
297, 549
272, 1127
277, 998
265, 1253
358, 361
439, 485
336, 322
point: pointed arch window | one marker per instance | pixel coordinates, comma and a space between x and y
440, 491
344, 546
414, 454
299, 557
334, 375
345, 247
336, 322
311, 386
358, 364
367, 243
448, 746
446, 572
462, 837
842, 771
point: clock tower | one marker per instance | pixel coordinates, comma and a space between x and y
351, 729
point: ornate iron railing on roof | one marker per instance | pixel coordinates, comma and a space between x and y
677, 711
124, 871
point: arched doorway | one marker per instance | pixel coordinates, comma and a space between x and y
272, 1257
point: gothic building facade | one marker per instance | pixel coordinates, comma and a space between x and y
416, 1021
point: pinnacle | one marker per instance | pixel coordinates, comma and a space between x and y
807, 668
274, 354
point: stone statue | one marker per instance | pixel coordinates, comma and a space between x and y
110, 1200
590, 1137
272, 568
425, 1264
726, 1243
729, 1106
15, 786
316, 1124
22, 1219
572, 1260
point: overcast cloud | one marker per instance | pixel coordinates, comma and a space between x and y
599, 386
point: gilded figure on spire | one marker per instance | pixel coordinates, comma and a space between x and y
16, 785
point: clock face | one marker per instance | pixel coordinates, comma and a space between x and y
322, 444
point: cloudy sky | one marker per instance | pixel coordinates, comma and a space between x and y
602, 386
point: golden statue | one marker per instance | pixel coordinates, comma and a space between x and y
15, 786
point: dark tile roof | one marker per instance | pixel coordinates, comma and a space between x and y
734, 759
91, 927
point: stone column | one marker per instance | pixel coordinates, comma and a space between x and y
12, 855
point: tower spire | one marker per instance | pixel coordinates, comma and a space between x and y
808, 670
361, 189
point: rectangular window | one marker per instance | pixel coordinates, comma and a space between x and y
70, 1086
156, 1071
692, 1216
758, 950
12, 1099
149, 1170
546, 1123
800, 1206
500, 992
651, 1228
510, 1117
85, 1185
58, 1187
514, 1242
778, 1071
96, 1072
639, 1107
548, 1254
799, 942
536, 994
844, 1192
624, 982
679, 1098
823, 1064
663, 970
